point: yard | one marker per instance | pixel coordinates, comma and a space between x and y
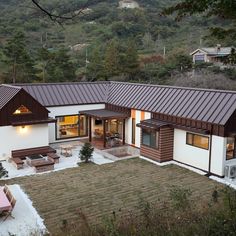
97, 191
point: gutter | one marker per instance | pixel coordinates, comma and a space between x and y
210, 151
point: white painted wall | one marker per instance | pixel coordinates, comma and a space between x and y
128, 129
218, 155
13, 138
67, 110
138, 130
188, 154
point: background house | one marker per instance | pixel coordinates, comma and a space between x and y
216, 55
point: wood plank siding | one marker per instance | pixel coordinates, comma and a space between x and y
191, 125
38, 112
125, 110
164, 152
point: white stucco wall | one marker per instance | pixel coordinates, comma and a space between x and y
67, 110
14, 138
218, 155
128, 134
187, 154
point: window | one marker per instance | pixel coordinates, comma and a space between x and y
22, 110
196, 140
230, 148
149, 138
133, 130
71, 126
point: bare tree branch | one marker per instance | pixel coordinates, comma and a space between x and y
57, 18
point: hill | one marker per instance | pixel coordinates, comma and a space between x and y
100, 23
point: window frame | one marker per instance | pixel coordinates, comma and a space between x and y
234, 151
192, 144
74, 137
23, 113
133, 138
156, 139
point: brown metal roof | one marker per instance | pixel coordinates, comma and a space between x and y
61, 94
104, 114
212, 106
7, 92
153, 124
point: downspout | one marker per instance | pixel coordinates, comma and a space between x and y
210, 148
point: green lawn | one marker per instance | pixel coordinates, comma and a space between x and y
97, 191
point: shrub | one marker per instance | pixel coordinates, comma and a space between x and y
86, 152
3, 171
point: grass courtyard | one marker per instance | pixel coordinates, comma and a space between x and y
97, 191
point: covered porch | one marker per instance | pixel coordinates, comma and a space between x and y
106, 127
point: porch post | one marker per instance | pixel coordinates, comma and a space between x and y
123, 131
90, 129
104, 133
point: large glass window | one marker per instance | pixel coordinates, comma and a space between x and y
230, 148
71, 126
149, 138
196, 140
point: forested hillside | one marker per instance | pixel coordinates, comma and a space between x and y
103, 42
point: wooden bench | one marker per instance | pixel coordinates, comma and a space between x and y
23, 153
53, 156
17, 162
45, 165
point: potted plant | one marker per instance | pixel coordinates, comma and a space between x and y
86, 152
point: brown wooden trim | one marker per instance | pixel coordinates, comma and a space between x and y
34, 122
104, 133
90, 129
123, 131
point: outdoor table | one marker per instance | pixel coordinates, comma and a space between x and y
66, 150
5, 205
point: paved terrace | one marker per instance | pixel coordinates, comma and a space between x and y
99, 190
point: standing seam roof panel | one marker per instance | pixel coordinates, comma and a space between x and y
180, 103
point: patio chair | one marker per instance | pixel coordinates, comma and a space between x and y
6, 189
9, 213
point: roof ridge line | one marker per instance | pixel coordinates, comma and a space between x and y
176, 87
11, 86
63, 83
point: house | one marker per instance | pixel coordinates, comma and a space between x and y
129, 4
214, 55
193, 126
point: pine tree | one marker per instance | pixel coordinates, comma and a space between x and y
112, 59
44, 57
131, 63
95, 69
86, 152
18, 57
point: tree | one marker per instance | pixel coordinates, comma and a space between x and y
18, 57
61, 68
86, 152
148, 42
95, 69
44, 57
130, 62
112, 59
225, 9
